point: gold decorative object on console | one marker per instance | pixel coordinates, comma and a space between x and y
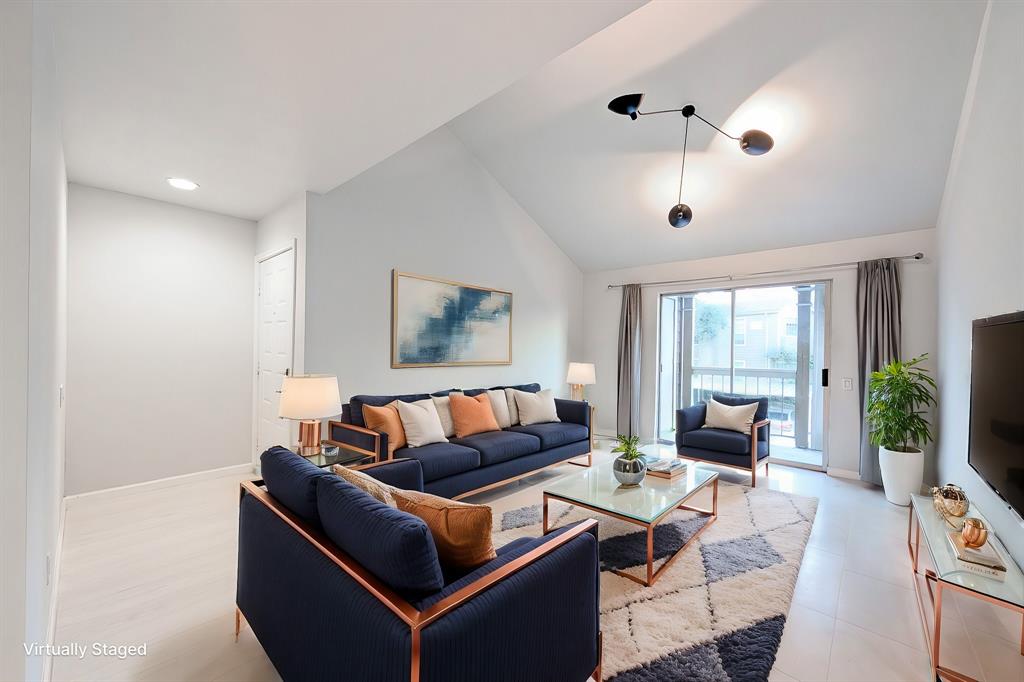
951, 502
974, 533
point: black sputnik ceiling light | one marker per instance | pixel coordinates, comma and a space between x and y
752, 142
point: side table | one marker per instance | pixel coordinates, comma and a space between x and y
942, 573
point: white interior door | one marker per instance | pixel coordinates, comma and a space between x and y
275, 324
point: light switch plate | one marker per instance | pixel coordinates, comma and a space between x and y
847, 384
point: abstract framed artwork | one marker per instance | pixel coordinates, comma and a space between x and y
440, 323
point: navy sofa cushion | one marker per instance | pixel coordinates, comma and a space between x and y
394, 546
741, 461
555, 433
291, 479
357, 402
406, 474
732, 399
500, 446
722, 440
441, 459
488, 475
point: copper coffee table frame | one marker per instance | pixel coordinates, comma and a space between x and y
652, 575
933, 633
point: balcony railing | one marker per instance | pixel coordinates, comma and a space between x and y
778, 384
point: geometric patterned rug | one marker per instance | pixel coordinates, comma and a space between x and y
716, 614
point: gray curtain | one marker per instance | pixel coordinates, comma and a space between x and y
879, 332
628, 417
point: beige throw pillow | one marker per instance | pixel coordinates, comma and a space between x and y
421, 423
734, 418
536, 408
368, 484
499, 405
444, 413
513, 411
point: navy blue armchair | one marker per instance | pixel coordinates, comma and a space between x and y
337, 586
721, 446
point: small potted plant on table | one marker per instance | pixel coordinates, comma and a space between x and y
897, 398
629, 467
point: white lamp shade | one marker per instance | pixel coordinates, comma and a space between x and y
314, 396
581, 373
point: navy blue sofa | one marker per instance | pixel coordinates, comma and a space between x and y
468, 465
337, 586
721, 446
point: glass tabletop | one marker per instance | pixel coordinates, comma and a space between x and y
596, 487
332, 454
934, 538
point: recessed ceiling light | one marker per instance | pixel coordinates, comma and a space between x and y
182, 183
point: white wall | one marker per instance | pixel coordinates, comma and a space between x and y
47, 330
33, 331
981, 242
602, 307
161, 312
432, 209
15, 164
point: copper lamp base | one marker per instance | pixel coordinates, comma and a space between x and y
576, 391
309, 438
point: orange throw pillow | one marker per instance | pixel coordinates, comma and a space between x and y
472, 415
461, 531
386, 420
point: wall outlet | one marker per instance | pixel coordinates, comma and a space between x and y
847, 383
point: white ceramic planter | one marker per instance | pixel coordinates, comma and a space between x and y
902, 474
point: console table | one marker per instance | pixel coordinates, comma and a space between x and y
938, 571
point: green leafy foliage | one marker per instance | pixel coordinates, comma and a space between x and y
629, 446
897, 399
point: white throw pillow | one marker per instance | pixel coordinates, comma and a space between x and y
513, 411
733, 418
444, 413
536, 408
421, 423
499, 405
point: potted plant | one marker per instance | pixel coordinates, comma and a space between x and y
629, 467
897, 398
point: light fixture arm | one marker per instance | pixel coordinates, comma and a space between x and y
687, 111
682, 168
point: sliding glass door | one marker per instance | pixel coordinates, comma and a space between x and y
757, 341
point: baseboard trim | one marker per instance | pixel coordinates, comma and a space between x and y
843, 473
51, 621
234, 469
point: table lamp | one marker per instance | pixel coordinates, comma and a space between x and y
580, 374
308, 399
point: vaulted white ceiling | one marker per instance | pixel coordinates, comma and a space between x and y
863, 100
257, 101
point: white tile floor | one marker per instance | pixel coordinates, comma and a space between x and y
158, 564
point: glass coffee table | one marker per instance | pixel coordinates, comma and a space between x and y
645, 505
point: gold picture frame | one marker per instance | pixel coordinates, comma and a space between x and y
434, 291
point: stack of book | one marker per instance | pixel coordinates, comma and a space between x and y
984, 560
666, 468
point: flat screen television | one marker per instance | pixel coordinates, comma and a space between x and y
996, 445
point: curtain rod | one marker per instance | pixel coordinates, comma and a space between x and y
729, 278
